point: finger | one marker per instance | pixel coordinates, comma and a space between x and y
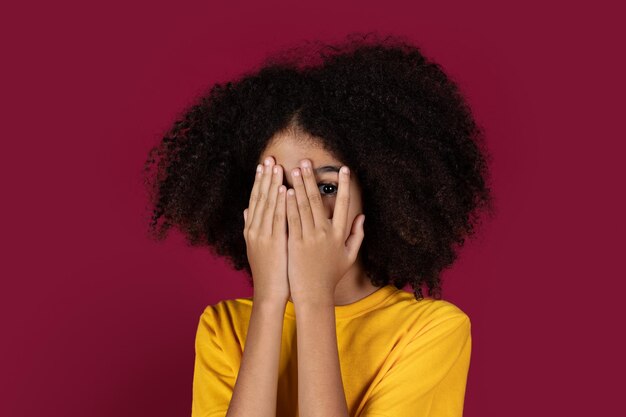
304, 207
253, 193
354, 241
313, 193
280, 223
268, 215
293, 217
262, 194
342, 202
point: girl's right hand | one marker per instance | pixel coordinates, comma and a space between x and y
265, 232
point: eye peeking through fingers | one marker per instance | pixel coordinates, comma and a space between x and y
329, 188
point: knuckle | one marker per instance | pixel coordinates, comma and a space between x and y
315, 199
303, 205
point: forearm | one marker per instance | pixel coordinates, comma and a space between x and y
320, 386
255, 390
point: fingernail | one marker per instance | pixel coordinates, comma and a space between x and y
345, 170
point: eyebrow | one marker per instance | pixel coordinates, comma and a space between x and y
320, 170
327, 168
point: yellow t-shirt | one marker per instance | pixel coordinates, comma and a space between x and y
399, 357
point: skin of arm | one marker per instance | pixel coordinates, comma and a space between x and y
336, 241
320, 387
255, 390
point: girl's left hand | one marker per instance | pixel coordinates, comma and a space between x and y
318, 252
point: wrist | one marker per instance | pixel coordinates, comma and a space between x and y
269, 303
320, 300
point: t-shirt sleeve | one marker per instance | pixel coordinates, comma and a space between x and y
213, 377
429, 377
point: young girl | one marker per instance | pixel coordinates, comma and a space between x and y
329, 330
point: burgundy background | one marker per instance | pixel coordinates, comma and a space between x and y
97, 320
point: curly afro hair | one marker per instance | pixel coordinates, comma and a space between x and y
377, 105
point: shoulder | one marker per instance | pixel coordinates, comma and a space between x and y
441, 310
427, 308
428, 314
224, 316
225, 307
227, 310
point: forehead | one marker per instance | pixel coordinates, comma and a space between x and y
288, 150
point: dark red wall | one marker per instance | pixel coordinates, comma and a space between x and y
99, 321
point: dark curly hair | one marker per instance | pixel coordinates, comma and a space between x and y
376, 104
